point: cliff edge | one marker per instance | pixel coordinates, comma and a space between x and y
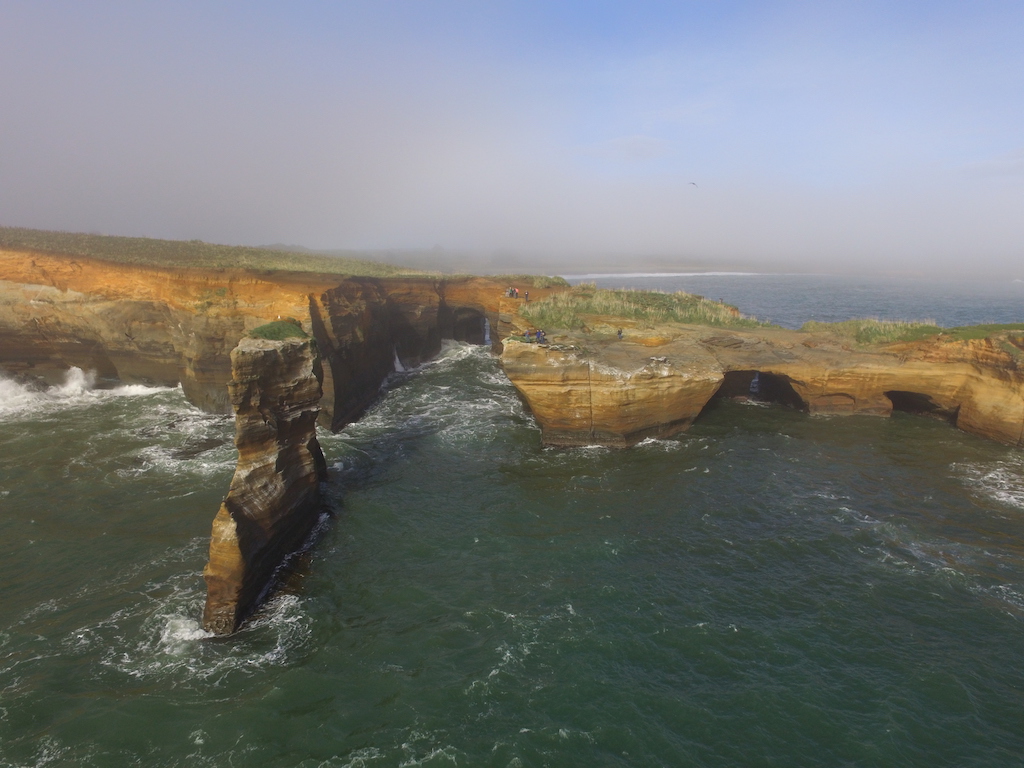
273, 502
145, 324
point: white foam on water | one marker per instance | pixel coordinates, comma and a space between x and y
524, 633
78, 389
172, 644
50, 752
179, 635
429, 403
159, 458
452, 352
359, 758
941, 561
846, 514
157, 635
1010, 596
448, 754
661, 444
1002, 481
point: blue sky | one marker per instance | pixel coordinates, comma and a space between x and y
846, 135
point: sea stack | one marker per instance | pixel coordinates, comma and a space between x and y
274, 500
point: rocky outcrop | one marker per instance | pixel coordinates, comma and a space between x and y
594, 389
164, 326
273, 502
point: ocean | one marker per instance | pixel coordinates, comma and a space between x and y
769, 589
790, 300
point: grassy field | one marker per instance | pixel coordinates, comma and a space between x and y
568, 310
537, 281
190, 253
870, 331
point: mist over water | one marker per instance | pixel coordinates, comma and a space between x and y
769, 588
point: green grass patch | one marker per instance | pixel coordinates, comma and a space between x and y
195, 254
537, 281
965, 332
278, 330
873, 331
567, 310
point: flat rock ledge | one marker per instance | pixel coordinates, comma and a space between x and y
585, 389
274, 501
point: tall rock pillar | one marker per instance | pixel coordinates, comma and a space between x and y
274, 499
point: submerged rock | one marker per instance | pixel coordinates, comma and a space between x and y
274, 500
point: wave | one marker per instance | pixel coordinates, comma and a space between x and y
163, 639
78, 389
1002, 481
460, 395
454, 352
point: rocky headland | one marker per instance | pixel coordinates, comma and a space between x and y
138, 323
591, 388
614, 380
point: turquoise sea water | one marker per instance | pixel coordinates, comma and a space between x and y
769, 589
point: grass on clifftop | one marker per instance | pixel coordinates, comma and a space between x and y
871, 331
279, 329
567, 310
194, 254
537, 281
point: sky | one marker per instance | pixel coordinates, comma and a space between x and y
831, 136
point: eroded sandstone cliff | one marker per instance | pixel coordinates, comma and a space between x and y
273, 502
595, 389
165, 326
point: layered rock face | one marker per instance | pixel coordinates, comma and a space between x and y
273, 502
587, 390
155, 326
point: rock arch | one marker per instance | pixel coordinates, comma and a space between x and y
771, 388
921, 404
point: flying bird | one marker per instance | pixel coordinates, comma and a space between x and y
694, 184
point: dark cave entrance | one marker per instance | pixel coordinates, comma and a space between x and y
769, 388
921, 405
469, 325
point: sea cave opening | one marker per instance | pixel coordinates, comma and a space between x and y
920, 404
470, 326
759, 386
